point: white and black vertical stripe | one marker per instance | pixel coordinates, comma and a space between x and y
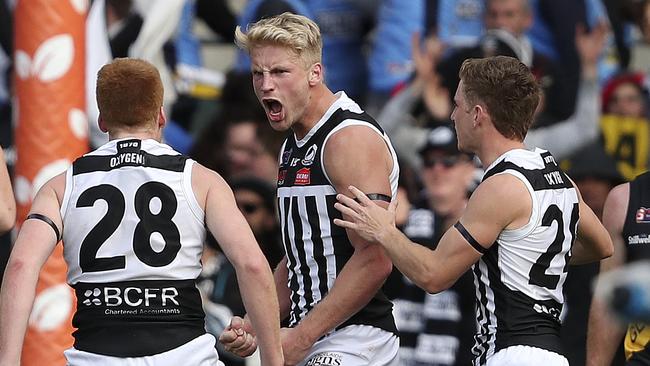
312, 261
319, 278
487, 320
284, 205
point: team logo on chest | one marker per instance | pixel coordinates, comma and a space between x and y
286, 156
309, 157
303, 177
642, 215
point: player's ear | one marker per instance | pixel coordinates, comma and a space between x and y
162, 117
315, 74
479, 114
102, 124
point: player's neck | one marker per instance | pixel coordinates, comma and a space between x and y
321, 99
134, 134
491, 151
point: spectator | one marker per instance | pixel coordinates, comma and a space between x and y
624, 125
640, 50
506, 23
436, 329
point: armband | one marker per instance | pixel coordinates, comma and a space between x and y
48, 221
377, 197
470, 239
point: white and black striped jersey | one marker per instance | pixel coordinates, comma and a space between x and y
133, 236
317, 249
519, 280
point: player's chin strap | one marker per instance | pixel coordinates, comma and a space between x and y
48, 221
470, 239
377, 197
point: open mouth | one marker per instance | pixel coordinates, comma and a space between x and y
274, 109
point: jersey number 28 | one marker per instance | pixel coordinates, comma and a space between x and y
148, 224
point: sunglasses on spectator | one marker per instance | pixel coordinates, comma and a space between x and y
249, 208
446, 161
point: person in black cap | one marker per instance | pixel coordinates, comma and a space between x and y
436, 329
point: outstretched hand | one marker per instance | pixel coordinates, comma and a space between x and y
362, 215
590, 44
237, 340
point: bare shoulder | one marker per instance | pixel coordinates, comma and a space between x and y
49, 198
206, 181
203, 174
501, 187
504, 198
619, 195
355, 138
354, 154
616, 206
54, 187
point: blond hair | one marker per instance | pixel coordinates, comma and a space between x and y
295, 32
129, 93
508, 90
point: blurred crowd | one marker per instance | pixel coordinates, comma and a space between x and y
400, 60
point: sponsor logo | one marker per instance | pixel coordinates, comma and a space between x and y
303, 177
642, 215
309, 157
286, 156
131, 296
326, 359
549, 310
281, 175
638, 239
127, 158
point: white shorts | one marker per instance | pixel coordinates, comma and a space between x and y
198, 352
355, 345
526, 356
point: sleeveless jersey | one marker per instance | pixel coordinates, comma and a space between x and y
636, 236
519, 280
316, 248
133, 238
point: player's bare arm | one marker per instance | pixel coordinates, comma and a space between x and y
229, 227
36, 241
502, 198
604, 333
593, 243
353, 155
245, 346
281, 277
